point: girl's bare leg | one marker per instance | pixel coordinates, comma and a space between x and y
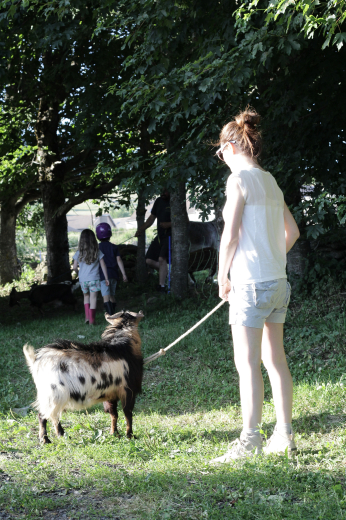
87, 307
93, 300
247, 357
274, 360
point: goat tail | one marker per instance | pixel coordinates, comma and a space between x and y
29, 354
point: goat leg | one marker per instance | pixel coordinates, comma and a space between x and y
127, 409
111, 407
59, 430
39, 308
43, 436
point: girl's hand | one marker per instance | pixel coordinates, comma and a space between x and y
125, 278
224, 290
107, 282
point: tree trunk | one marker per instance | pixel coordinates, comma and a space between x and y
51, 176
8, 251
180, 242
141, 266
58, 262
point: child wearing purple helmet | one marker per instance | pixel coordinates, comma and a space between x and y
112, 260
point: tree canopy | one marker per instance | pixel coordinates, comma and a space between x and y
141, 91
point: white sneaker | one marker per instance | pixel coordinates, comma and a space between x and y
246, 446
280, 442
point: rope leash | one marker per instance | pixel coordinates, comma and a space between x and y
163, 351
121, 243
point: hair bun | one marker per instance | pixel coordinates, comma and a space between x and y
244, 131
249, 118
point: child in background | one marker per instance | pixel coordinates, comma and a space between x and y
112, 260
89, 259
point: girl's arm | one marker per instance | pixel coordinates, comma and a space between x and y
232, 215
75, 266
121, 267
291, 229
104, 269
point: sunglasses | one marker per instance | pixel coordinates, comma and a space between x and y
219, 152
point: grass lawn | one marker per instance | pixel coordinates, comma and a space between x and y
187, 414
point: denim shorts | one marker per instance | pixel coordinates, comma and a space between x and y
92, 286
251, 305
108, 290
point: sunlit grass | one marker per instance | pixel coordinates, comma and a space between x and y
187, 414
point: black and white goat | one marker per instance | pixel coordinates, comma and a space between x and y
71, 376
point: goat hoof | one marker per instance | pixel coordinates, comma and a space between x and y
45, 440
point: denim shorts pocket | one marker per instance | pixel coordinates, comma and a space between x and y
265, 294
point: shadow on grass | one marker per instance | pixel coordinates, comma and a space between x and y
244, 490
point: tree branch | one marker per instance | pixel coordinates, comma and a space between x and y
28, 197
75, 161
77, 177
88, 194
13, 198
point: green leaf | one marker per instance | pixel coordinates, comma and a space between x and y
339, 40
205, 84
152, 126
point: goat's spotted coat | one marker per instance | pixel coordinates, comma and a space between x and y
71, 376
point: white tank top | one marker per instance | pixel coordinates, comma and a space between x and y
261, 252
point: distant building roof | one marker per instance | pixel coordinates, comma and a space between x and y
106, 218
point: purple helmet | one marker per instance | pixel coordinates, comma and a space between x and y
103, 230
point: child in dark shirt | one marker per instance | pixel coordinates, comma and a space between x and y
113, 261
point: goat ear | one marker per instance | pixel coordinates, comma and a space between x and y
116, 316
